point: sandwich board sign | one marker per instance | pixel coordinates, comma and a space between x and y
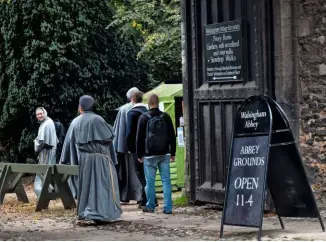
264, 155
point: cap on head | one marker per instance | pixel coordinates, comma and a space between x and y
86, 102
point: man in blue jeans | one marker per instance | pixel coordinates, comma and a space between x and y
132, 124
156, 146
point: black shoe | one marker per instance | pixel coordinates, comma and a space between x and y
167, 212
100, 222
148, 210
141, 206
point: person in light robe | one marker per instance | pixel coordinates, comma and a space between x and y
45, 145
129, 184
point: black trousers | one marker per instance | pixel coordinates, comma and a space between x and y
122, 177
141, 176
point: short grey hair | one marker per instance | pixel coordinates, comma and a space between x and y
131, 92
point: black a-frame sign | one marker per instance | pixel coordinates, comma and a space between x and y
264, 152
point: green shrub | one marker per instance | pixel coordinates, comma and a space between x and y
51, 53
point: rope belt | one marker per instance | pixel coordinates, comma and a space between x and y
116, 204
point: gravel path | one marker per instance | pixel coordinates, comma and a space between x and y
19, 221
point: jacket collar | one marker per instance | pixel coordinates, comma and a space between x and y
139, 105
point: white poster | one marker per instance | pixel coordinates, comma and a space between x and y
180, 137
161, 106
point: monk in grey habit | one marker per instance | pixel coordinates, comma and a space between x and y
129, 184
45, 145
88, 144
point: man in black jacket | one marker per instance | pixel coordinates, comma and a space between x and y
132, 121
156, 147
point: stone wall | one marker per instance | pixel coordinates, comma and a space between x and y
312, 63
300, 81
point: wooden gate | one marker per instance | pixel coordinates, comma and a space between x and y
210, 108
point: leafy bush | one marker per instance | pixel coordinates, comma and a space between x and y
51, 53
154, 26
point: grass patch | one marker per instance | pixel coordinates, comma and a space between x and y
302, 239
181, 201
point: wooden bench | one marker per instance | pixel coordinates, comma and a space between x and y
56, 175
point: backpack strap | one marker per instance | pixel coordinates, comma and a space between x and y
150, 116
138, 110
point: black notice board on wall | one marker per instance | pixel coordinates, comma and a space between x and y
224, 52
264, 155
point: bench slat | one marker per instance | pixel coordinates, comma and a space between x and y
71, 170
29, 168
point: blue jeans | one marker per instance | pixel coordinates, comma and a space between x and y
151, 164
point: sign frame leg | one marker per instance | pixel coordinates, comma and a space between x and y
226, 193
261, 216
318, 212
221, 230
314, 199
321, 222
259, 233
281, 221
265, 182
278, 214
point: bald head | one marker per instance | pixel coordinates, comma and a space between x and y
153, 101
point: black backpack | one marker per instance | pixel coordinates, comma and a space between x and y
60, 131
157, 139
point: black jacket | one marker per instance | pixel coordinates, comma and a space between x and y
132, 122
141, 133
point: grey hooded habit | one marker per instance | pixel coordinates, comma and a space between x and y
129, 184
45, 146
88, 144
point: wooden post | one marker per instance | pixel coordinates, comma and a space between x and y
61, 180
44, 199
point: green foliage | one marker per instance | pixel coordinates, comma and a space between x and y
181, 201
154, 25
51, 53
